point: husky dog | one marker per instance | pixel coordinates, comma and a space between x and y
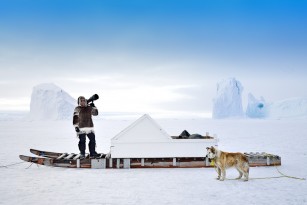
224, 160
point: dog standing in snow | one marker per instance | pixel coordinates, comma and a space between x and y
224, 160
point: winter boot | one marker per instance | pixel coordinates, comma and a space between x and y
94, 155
82, 156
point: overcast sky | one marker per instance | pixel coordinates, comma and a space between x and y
149, 56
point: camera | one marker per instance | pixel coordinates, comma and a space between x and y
92, 99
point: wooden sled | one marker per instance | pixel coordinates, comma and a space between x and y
103, 161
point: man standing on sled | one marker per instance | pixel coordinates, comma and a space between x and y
83, 123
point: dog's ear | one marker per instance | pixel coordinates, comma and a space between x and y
213, 149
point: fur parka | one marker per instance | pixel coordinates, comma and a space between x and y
83, 116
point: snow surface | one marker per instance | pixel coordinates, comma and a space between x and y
256, 108
50, 102
46, 185
228, 100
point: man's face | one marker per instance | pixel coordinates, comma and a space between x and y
82, 102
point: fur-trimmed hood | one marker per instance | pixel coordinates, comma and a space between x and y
79, 100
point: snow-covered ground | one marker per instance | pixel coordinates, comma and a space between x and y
46, 185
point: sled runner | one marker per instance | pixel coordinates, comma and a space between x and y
37, 160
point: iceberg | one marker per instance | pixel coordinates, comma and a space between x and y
50, 102
289, 108
228, 100
256, 108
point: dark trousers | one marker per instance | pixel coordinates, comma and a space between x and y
91, 144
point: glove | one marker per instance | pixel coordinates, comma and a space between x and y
92, 105
77, 129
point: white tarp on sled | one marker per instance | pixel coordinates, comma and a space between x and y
146, 139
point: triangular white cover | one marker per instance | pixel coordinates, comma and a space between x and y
145, 129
